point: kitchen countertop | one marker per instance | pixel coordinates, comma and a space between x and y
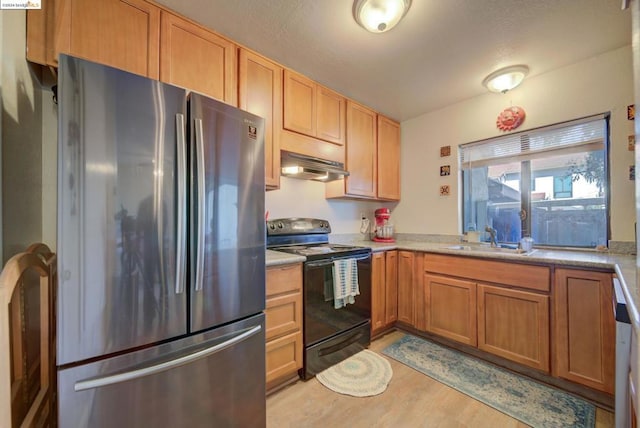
275, 258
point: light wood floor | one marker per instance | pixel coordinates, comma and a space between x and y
411, 400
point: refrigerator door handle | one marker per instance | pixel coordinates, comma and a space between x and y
200, 233
182, 203
84, 385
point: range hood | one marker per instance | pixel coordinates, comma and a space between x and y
304, 167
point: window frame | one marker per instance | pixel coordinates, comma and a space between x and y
527, 182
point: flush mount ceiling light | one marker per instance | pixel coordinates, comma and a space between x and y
505, 79
379, 16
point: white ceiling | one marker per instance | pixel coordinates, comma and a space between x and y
438, 55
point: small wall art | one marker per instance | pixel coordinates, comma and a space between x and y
445, 151
632, 143
445, 170
631, 112
444, 190
632, 173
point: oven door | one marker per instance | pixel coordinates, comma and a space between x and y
321, 320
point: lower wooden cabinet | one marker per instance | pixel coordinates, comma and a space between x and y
450, 306
283, 323
514, 324
584, 333
284, 358
406, 287
501, 319
384, 290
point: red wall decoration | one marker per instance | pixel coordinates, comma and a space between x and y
510, 118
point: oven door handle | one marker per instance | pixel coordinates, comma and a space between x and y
330, 261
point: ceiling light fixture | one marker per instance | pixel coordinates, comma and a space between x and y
505, 79
379, 16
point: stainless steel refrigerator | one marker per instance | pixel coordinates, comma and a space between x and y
161, 246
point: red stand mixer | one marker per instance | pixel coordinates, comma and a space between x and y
383, 231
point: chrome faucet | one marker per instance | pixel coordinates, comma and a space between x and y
492, 233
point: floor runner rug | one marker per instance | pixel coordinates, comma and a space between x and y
533, 403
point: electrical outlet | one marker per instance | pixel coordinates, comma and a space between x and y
364, 225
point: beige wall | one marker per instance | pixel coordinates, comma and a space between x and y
27, 175
601, 84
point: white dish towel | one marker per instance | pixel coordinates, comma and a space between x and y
345, 282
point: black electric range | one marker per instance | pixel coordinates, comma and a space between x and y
307, 237
330, 334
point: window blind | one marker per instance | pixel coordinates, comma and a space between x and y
587, 134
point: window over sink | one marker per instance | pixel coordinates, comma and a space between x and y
550, 183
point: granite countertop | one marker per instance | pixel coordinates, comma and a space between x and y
275, 258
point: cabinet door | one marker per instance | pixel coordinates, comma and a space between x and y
331, 116
197, 59
584, 334
361, 151
451, 308
299, 103
378, 292
391, 287
405, 287
515, 325
120, 33
284, 358
260, 93
388, 159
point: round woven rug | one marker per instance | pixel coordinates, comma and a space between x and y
361, 375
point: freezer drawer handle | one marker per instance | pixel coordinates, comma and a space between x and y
201, 205
182, 203
167, 365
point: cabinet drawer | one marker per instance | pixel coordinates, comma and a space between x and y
284, 279
284, 315
507, 273
284, 356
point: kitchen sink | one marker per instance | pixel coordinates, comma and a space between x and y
488, 249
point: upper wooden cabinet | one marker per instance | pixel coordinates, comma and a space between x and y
195, 58
314, 119
584, 329
120, 33
361, 156
361, 151
299, 103
388, 157
372, 157
312, 109
260, 92
330, 114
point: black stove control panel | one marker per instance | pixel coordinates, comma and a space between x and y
297, 226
